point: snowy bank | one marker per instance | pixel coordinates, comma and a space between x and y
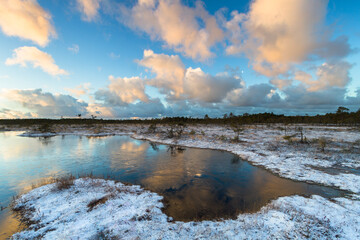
96, 209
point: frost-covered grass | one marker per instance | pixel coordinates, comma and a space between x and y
100, 209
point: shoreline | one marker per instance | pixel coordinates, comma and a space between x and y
289, 161
336, 210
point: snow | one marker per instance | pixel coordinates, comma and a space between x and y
133, 213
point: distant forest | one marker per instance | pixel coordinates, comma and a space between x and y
341, 117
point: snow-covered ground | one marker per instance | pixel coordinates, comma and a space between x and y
99, 209
330, 156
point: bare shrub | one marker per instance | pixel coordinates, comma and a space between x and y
322, 143
301, 132
65, 182
152, 128
176, 131
237, 130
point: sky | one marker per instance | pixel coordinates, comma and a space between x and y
157, 58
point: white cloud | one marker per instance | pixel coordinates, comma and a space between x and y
89, 9
36, 57
177, 25
26, 19
74, 48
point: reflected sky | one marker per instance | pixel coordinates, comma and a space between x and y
196, 183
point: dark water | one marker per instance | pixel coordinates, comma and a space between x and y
196, 183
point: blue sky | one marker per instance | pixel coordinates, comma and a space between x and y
153, 58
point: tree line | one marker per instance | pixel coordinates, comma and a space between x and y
341, 117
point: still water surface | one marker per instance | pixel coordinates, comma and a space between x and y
196, 183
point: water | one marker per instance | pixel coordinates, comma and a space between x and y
196, 183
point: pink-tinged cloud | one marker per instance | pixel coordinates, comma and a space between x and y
178, 82
328, 75
37, 58
89, 9
13, 114
169, 71
100, 110
26, 19
177, 25
276, 35
123, 91
80, 90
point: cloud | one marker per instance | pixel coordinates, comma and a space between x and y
74, 48
297, 97
191, 31
328, 75
45, 104
151, 108
253, 96
89, 9
276, 35
26, 19
281, 83
204, 87
11, 114
177, 82
114, 55
122, 91
37, 58
100, 110
169, 71
251, 99
80, 90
